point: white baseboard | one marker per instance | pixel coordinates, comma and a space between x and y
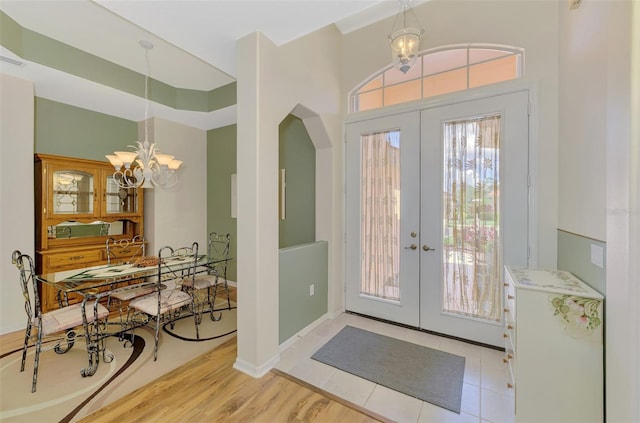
336, 313
256, 371
286, 344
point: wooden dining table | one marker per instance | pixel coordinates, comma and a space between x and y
98, 282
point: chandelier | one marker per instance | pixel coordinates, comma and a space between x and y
405, 42
144, 166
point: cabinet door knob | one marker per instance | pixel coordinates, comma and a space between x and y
509, 385
506, 310
510, 327
510, 297
505, 335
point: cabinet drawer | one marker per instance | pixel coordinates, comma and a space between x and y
510, 330
76, 259
510, 297
510, 359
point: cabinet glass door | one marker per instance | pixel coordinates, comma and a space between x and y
73, 192
119, 200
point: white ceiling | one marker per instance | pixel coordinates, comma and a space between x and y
194, 42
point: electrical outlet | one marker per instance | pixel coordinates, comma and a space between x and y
312, 290
597, 255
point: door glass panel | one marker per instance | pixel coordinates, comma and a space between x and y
369, 100
477, 55
471, 218
380, 208
443, 83
120, 200
444, 61
494, 71
72, 192
402, 93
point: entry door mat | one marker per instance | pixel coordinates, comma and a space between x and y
421, 372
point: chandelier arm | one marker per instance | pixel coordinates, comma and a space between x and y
126, 179
164, 178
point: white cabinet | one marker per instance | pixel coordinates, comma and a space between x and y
553, 346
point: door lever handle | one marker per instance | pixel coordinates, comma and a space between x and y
427, 248
411, 247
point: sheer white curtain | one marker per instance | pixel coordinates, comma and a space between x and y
471, 215
380, 205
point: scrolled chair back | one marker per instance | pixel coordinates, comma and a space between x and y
218, 252
136, 246
28, 284
177, 264
219, 245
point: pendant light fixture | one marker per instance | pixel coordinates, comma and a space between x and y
144, 166
405, 41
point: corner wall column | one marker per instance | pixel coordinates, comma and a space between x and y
257, 181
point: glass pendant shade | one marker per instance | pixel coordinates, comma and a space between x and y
127, 157
405, 39
175, 164
405, 45
164, 159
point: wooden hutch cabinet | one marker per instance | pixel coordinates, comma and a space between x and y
79, 206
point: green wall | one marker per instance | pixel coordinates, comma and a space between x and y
298, 156
301, 266
70, 131
574, 255
221, 164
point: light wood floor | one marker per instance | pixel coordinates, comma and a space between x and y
209, 389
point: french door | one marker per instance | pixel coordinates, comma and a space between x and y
436, 203
383, 215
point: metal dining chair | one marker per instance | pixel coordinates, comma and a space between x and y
204, 287
124, 250
62, 322
128, 252
165, 303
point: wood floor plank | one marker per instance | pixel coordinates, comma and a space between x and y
209, 389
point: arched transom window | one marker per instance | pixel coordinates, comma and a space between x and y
439, 71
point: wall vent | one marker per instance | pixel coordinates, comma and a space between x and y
12, 61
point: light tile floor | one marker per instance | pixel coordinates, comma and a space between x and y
485, 396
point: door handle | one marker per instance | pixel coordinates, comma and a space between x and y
411, 247
427, 248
